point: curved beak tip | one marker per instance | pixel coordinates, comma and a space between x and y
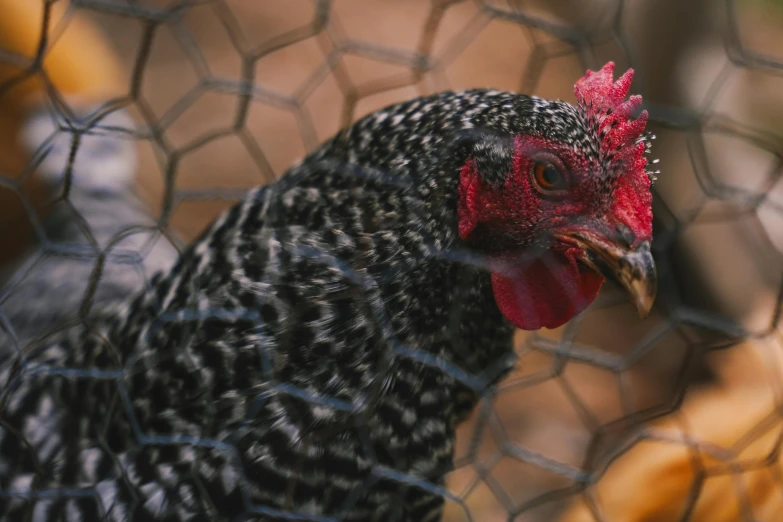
635, 271
633, 268
643, 298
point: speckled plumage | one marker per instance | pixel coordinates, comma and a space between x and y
311, 353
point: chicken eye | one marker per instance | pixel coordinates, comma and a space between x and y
548, 178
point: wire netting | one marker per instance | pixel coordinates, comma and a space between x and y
609, 418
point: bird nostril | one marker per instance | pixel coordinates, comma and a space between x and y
625, 234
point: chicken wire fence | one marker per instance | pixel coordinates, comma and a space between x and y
540, 444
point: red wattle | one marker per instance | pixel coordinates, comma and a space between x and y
547, 293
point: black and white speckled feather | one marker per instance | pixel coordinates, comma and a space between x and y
311, 353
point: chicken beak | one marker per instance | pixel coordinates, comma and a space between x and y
633, 268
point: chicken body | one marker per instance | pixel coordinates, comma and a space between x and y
100, 229
309, 355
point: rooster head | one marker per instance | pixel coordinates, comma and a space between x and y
569, 205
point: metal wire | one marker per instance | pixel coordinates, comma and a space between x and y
670, 350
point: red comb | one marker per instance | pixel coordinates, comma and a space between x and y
603, 101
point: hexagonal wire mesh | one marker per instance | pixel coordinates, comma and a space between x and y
608, 418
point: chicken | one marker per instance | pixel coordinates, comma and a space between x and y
100, 228
311, 353
96, 224
78, 67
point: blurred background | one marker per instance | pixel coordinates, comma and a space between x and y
677, 417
